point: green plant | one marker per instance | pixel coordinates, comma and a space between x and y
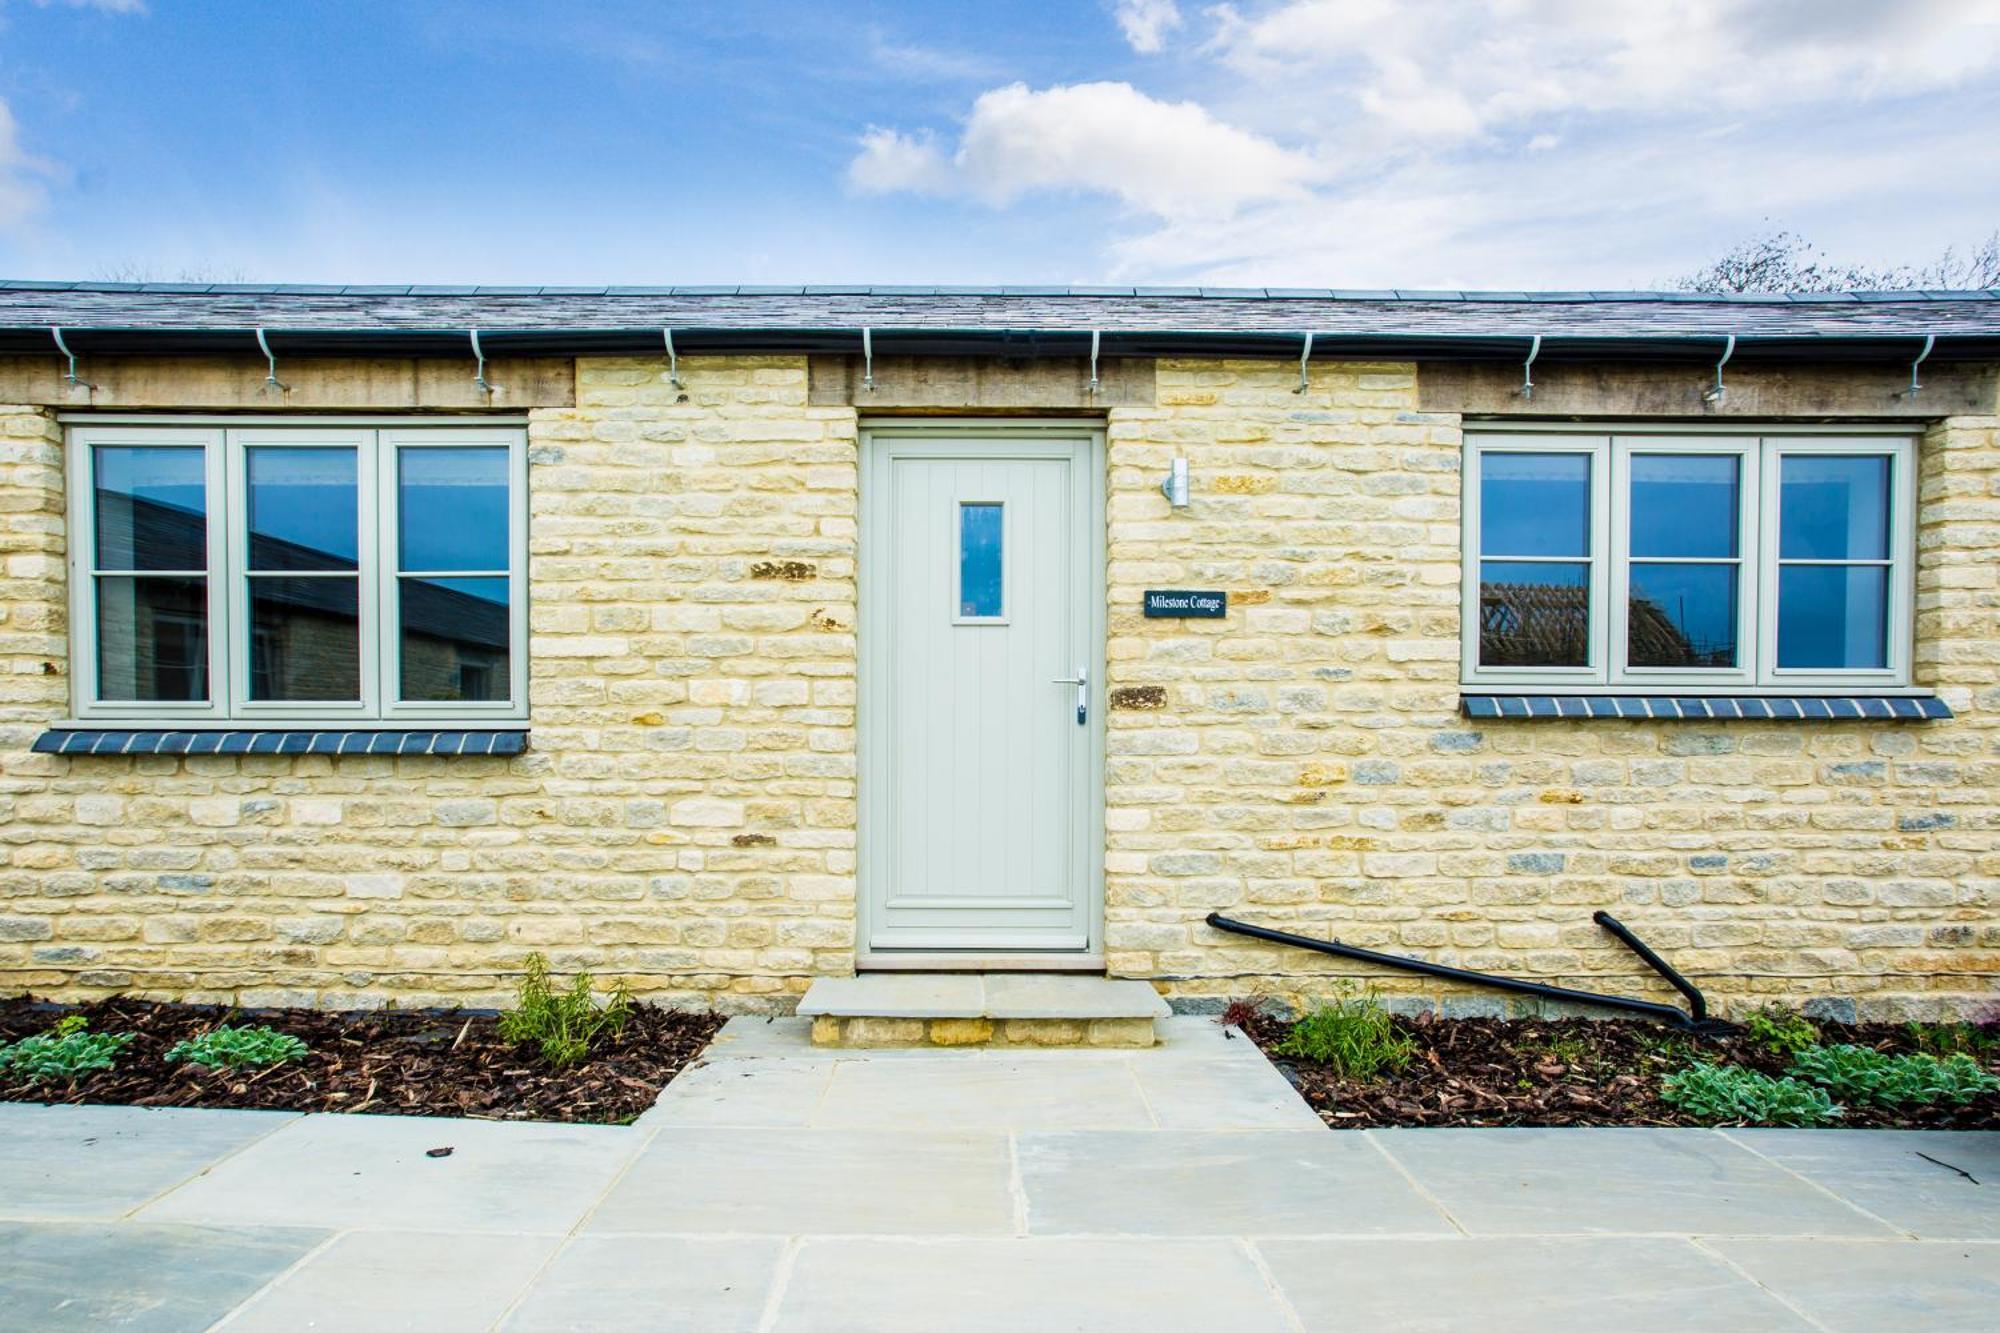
1863, 1074
63, 1052
1357, 1038
1943, 1040
231, 1048
563, 1023
1778, 1031
1730, 1093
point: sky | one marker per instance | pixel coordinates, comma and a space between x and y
1347, 143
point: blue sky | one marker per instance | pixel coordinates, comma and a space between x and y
1540, 143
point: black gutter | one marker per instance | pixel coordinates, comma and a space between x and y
1695, 1020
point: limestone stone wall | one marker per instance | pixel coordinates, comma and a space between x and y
684, 817
1301, 764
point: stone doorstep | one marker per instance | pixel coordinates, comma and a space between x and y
981, 1009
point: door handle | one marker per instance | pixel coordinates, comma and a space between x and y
1082, 682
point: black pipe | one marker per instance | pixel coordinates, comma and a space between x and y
1697, 1002
1666, 1013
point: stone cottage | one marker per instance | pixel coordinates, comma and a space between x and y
361, 641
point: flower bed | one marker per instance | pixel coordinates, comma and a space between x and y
1469, 1071
377, 1062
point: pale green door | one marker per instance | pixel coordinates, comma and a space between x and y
980, 692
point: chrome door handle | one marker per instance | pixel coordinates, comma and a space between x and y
1082, 682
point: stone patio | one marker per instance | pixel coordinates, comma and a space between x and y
781, 1185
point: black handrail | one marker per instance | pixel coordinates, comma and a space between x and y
1666, 1013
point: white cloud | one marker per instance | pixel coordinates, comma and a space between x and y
1146, 23
1170, 159
108, 6
23, 179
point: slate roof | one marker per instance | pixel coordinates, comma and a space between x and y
188, 317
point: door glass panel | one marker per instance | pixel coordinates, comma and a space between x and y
1834, 507
979, 561
305, 639
452, 509
303, 508
1534, 613
1681, 615
151, 507
1684, 505
152, 639
454, 645
1534, 504
1833, 616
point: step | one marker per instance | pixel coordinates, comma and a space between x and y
981, 1009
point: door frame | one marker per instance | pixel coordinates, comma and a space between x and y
876, 434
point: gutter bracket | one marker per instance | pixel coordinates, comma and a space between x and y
1930, 341
867, 361
1092, 387
1714, 396
673, 361
1527, 389
479, 373
1305, 355
63, 349
271, 380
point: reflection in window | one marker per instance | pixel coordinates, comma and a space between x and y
304, 588
305, 639
1682, 604
152, 639
151, 508
303, 508
150, 513
979, 561
453, 508
1833, 562
1534, 568
454, 645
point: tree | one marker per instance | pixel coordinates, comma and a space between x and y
1784, 261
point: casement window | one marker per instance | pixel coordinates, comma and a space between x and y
331, 574
1678, 561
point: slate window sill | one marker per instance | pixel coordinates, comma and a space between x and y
123, 740
1705, 708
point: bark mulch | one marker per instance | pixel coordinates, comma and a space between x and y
1485, 1071
435, 1063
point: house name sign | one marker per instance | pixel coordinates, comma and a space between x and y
1186, 605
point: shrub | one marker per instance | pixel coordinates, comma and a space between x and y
1863, 1074
232, 1048
1779, 1031
1979, 1040
1718, 1093
1355, 1037
63, 1052
563, 1023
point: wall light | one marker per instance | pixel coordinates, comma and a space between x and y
1175, 487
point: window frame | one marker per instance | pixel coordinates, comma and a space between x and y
1761, 450
230, 633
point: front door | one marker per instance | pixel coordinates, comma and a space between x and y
981, 572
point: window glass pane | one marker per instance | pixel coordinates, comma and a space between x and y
305, 639
454, 639
1684, 505
1832, 616
1834, 507
453, 508
1534, 504
303, 508
1681, 616
1534, 614
152, 507
152, 639
979, 560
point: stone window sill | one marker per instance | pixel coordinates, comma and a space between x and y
1704, 708
431, 741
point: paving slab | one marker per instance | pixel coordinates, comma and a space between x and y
1179, 1183
1499, 1284
1033, 995
772, 1093
896, 995
104, 1161
56, 1276
750, 1037
665, 1284
1085, 1092
823, 1181
1006, 1286
1881, 1171
372, 1172
384, 1281
1203, 1093
1527, 1181
1867, 1286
